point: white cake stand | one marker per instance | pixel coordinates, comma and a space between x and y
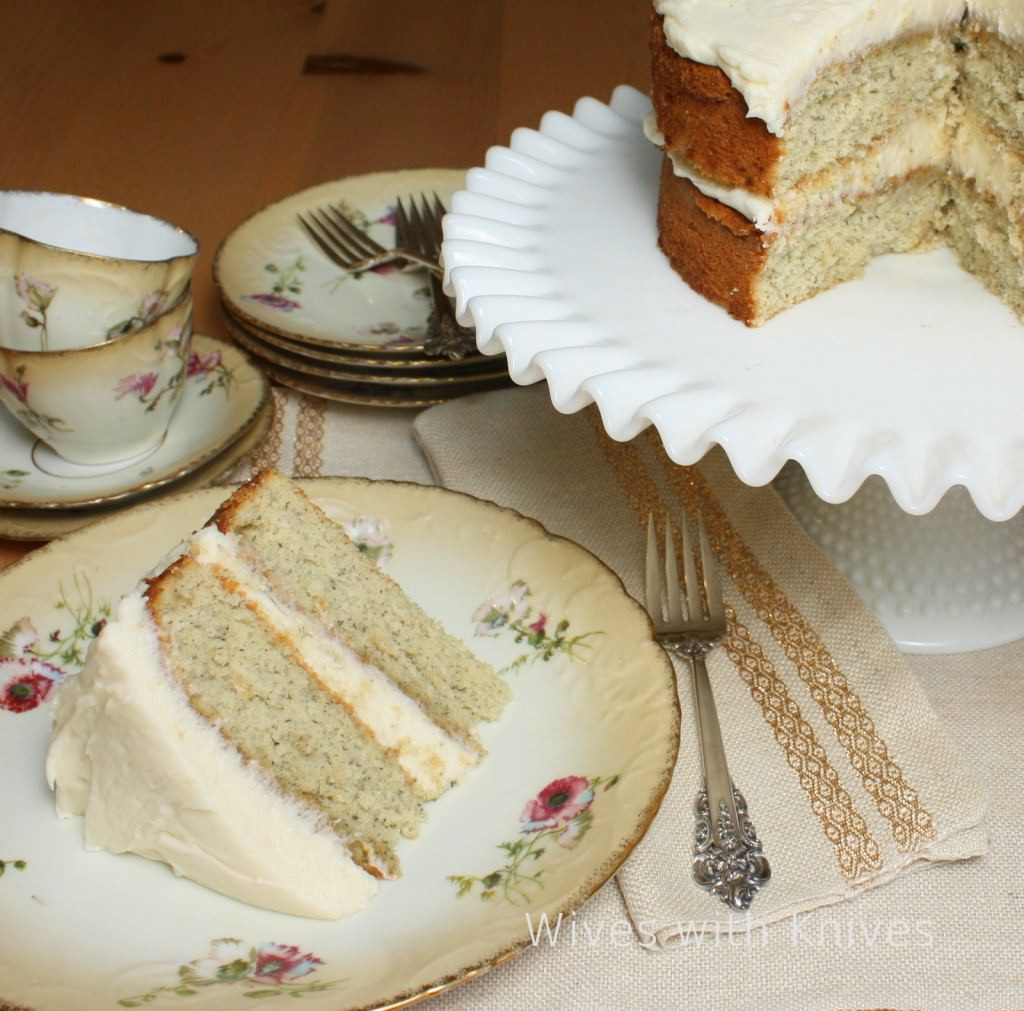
903, 382
943, 582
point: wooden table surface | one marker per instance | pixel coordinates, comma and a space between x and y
202, 113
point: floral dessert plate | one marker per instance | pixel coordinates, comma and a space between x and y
371, 394
373, 361
575, 771
340, 368
271, 275
224, 393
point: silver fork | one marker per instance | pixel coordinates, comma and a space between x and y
345, 244
418, 228
727, 857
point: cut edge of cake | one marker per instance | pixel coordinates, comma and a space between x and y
734, 198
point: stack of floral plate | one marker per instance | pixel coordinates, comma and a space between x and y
357, 338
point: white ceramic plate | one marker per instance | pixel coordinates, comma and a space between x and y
911, 372
223, 395
270, 274
594, 704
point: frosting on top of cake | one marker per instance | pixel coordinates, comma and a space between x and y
771, 50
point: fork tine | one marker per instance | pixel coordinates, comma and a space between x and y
341, 241
439, 211
346, 230
694, 610
673, 601
402, 240
331, 237
431, 225
409, 237
652, 586
320, 241
712, 583
344, 243
417, 231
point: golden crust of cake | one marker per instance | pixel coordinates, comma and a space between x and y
754, 276
716, 250
226, 515
706, 120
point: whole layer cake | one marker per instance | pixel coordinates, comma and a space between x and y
803, 138
270, 713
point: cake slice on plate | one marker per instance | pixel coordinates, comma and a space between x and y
270, 713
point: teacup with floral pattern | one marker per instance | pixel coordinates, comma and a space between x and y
108, 402
76, 271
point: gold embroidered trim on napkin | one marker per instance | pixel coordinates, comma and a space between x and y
840, 800
268, 454
309, 437
857, 853
896, 800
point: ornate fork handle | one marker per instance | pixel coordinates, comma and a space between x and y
727, 857
446, 337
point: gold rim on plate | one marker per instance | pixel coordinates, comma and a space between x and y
341, 371
594, 708
223, 396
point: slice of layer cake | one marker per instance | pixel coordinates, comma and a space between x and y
270, 713
803, 139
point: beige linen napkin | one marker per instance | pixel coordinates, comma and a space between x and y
848, 774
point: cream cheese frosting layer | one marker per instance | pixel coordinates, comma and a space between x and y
758, 209
150, 777
771, 50
979, 155
431, 759
922, 143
